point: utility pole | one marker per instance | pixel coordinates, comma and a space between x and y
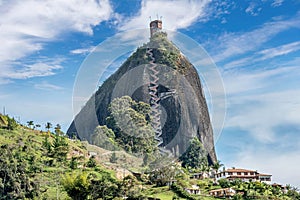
4, 110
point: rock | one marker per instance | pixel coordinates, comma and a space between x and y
184, 112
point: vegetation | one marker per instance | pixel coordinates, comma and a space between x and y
195, 156
130, 123
259, 190
45, 165
39, 165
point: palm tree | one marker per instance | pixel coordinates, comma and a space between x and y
57, 129
38, 126
217, 165
48, 126
30, 124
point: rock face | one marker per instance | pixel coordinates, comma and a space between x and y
184, 112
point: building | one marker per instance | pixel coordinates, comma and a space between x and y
92, 153
223, 193
243, 174
200, 175
266, 178
193, 190
155, 26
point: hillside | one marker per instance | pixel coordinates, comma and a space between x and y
38, 164
30, 170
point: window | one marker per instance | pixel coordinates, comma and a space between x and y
251, 173
246, 173
239, 173
229, 173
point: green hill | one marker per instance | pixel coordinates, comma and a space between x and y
33, 163
38, 164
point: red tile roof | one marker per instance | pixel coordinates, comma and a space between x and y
239, 170
264, 174
242, 176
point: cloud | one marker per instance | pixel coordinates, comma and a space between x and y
281, 164
26, 71
253, 9
235, 44
264, 55
280, 50
277, 3
176, 14
258, 102
27, 25
47, 86
83, 50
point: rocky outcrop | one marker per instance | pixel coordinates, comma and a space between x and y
184, 112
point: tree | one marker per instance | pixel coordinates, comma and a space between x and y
73, 163
194, 156
77, 185
48, 126
164, 174
216, 166
130, 122
60, 148
224, 183
129, 188
57, 130
47, 145
105, 138
11, 123
38, 125
91, 162
104, 186
30, 124
15, 182
113, 158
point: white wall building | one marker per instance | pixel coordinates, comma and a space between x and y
243, 174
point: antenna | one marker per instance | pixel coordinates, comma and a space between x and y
4, 110
157, 16
160, 18
150, 18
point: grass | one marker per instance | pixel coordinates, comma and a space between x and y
162, 193
167, 195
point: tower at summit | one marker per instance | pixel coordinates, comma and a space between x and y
155, 26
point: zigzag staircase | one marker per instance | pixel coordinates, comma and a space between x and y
154, 102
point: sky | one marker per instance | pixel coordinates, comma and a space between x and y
255, 46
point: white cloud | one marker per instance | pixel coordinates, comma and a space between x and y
253, 9
258, 102
83, 50
281, 164
176, 14
27, 25
280, 50
38, 69
264, 55
233, 44
47, 86
277, 3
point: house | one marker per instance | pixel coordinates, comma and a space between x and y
193, 190
243, 174
92, 153
200, 175
282, 188
223, 192
265, 178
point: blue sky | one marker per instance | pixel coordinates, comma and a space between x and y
254, 44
